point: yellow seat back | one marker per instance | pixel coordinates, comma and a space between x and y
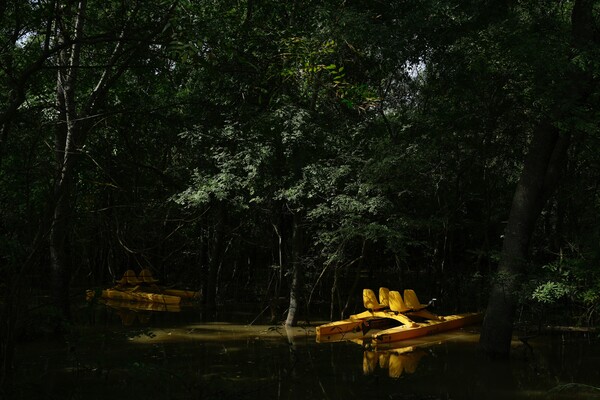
384, 296
412, 301
369, 300
146, 276
129, 278
395, 365
396, 302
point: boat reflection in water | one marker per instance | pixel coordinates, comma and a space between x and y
130, 311
397, 358
397, 362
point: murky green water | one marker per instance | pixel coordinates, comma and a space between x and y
163, 355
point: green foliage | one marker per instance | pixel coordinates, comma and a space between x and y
569, 281
396, 127
550, 292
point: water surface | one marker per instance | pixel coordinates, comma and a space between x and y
164, 355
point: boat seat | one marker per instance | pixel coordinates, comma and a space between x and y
396, 302
384, 296
146, 276
412, 301
370, 301
129, 278
418, 309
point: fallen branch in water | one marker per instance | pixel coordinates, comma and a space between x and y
574, 386
574, 329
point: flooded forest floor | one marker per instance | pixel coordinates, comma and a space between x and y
119, 354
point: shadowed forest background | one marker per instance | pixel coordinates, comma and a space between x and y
289, 153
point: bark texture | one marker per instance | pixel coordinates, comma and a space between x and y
540, 175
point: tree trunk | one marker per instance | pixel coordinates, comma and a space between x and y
352, 293
215, 260
59, 255
543, 165
68, 138
296, 272
539, 177
75, 121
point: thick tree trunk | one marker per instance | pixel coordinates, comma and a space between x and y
75, 122
67, 140
59, 256
60, 229
540, 175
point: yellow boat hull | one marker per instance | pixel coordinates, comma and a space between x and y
339, 327
351, 327
431, 327
146, 294
120, 294
140, 305
364, 321
184, 294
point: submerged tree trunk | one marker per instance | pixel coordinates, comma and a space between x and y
215, 260
296, 272
539, 177
543, 165
59, 254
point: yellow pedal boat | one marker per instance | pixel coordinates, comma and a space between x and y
143, 289
400, 318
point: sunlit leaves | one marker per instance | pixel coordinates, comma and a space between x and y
232, 173
550, 292
569, 281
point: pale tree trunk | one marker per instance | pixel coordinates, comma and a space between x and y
541, 173
215, 260
67, 140
296, 271
76, 113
